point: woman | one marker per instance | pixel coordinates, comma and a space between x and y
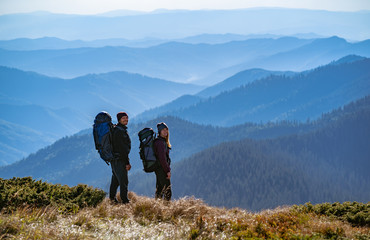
162, 148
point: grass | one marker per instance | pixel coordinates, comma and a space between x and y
186, 218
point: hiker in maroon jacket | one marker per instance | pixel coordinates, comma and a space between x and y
162, 148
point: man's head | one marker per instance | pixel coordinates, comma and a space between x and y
122, 118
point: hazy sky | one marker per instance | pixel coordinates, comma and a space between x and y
100, 6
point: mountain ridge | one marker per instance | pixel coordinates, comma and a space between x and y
197, 59
297, 97
73, 166
57, 107
202, 64
321, 165
166, 24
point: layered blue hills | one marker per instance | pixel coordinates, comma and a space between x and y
89, 93
175, 61
183, 102
203, 64
172, 24
294, 162
299, 97
316, 52
18, 141
25, 44
265, 106
51, 108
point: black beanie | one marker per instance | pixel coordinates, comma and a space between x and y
161, 126
120, 115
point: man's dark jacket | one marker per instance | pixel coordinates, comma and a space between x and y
121, 143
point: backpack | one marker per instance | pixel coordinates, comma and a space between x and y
102, 131
147, 154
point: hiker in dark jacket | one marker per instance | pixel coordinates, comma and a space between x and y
162, 148
120, 166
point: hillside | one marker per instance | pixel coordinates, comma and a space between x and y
323, 50
147, 218
321, 163
276, 98
26, 44
235, 81
175, 61
56, 107
203, 64
57, 43
74, 160
330, 164
164, 110
20, 137
17, 142
93, 92
239, 79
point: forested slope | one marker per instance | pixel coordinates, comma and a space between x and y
329, 164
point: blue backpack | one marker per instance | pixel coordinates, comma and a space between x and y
102, 131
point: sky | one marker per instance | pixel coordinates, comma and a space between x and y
101, 6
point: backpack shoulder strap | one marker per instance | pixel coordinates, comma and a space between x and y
119, 128
116, 126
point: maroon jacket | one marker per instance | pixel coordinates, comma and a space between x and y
162, 153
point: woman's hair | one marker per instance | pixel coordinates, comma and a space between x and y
168, 140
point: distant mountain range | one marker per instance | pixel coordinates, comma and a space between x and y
26, 44
276, 97
264, 108
329, 164
72, 160
24, 129
173, 61
174, 24
292, 168
183, 102
51, 108
311, 55
203, 64
91, 93
52, 112
239, 79
18, 141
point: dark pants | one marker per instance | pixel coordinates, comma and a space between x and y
163, 185
119, 178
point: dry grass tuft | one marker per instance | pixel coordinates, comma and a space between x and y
185, 218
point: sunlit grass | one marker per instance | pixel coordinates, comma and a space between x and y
185, 218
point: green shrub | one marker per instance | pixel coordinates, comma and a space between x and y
18, 192
355, 213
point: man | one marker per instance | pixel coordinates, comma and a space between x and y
120, 166
162, 148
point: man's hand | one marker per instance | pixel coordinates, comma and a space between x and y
169, 175
128, 167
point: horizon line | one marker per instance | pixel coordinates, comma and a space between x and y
164, 10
